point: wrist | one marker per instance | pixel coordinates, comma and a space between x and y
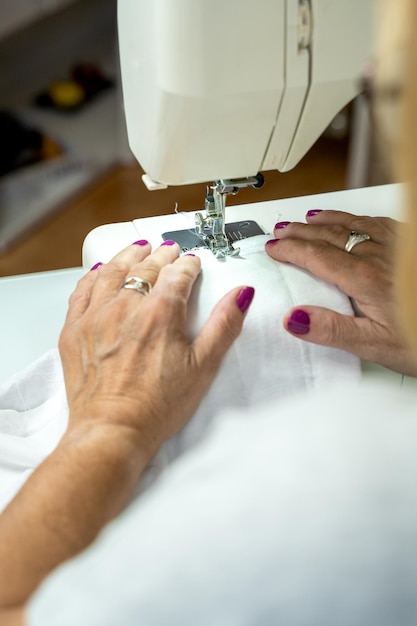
117, 425
105, 439
110, 457
80, 487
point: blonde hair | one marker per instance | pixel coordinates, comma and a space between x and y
406, 266
396, 74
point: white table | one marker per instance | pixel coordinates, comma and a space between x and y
32, 312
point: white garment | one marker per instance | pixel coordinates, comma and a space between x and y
264, 362
33, 418
298, 513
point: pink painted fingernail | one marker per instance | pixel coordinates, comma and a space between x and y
281, 224
168, 242
96, 266
189, 254
141, 242
245, 298
313, 212
299, 322
271, 242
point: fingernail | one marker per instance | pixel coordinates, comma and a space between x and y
189, 254
313, 212
299, 322
168, 242
96, 266
245, 298
141, 242
271, 242
281, 224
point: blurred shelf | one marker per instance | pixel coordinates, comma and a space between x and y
92, 138
17, 14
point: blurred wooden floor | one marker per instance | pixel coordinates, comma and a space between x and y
121, 196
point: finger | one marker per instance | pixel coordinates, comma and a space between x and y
222, 328
348, 272
173, 288
380, 229
178, 276
128, 263
324, 327
134, 253
332, 234
111, 275
393, 226
149, 268
165, 306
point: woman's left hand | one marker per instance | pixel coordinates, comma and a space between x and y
365, 274
133, 379
127, 358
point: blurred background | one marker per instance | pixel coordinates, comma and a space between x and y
65, 165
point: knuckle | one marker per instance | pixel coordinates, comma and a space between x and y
386, 221
315, 253
152, 269
360, 223
65, 341
332, 332
332, 230
294, 229
294, 250
176, 277
391, 225
335, 330
369, 270
230, 328
81, 286
109, 273
78, 296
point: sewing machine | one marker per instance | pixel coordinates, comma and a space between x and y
220, 90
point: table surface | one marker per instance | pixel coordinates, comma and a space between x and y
32, 312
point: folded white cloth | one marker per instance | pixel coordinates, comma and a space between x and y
265, 362
33, 418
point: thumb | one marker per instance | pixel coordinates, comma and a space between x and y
329, 328
222, 327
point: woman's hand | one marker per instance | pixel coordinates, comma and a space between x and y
133, 378
365, 275
127, 358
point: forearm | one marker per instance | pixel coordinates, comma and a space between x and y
83, 484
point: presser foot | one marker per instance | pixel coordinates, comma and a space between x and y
223, 250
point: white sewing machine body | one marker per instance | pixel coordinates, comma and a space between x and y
228, 88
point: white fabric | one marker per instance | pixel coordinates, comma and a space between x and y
300, 512
264, 362
33, 418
